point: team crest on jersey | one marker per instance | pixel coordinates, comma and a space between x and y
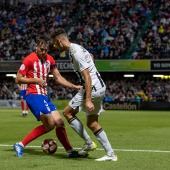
47, 63
22, 67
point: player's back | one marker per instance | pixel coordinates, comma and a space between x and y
82, 60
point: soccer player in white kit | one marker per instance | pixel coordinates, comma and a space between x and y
88, 99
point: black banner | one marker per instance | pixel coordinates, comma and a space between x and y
66, 65
110, 105
160, 65
13, 66
155, 106
9, 66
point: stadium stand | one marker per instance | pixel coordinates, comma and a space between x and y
19, 25
129, 90
118, 29
109, 29
155, 43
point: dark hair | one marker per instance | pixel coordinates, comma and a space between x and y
57, 32
42, 39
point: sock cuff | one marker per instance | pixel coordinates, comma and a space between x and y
98, 131
60, 127
72, 119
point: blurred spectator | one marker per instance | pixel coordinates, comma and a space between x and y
151, 90
20, 24
156, 41
106, 28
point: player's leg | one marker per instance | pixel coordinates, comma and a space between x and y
26, 108
35, 133
93, 125
23, 106
61, 132
25, 103
42, 112
70, 114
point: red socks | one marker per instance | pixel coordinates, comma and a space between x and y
38, 131
22, 105
62, 137
26, 107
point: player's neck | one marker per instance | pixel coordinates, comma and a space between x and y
41, 59
67, 47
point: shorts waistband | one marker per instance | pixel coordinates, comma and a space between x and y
95, 88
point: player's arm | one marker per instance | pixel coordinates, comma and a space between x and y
19, 86
21, 79
23, 70
88, 87
92, 57
61, 80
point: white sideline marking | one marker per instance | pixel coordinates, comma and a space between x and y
120, 150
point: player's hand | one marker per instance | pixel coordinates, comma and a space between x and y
78, 88
41, 82
89, 106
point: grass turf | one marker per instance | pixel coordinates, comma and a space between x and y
141, 140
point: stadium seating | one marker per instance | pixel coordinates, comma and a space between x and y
151, 90
108, 29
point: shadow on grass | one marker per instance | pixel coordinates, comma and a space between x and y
58, 155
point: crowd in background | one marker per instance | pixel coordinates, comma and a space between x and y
156, 40
19, 26
138, 90
106, 28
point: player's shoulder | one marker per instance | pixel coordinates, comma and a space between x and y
32, 56
75, 46
49, 56
77, 49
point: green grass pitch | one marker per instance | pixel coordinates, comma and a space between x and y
141, 140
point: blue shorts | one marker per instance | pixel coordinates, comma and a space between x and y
39, 104
23, 94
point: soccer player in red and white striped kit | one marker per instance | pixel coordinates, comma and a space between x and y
24, 106
33, 72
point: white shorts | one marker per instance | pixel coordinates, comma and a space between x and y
78, 101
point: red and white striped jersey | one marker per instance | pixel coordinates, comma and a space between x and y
22, 86
32, 67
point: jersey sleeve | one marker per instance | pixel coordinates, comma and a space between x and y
52, 64
25, 66
81, 58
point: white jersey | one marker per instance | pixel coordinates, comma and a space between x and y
82, 60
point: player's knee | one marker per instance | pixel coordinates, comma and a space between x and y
65, 114
59, 122
50, 126
90, 125
93, 126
